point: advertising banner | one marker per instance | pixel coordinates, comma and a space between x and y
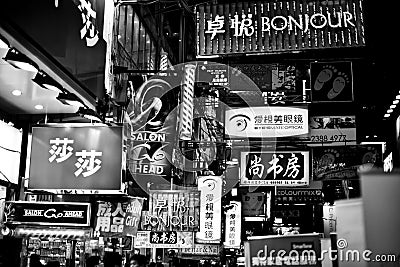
297, 195
267, 122
132, 216
254, 203
210, 188
3, 194
151, 126
76, 159
279, 26
331, 81
233, 225
332, 130
344, 162
202, 250
166, 239
173, 210
118, 219
293, 250
279, 168
329, 217
47, 213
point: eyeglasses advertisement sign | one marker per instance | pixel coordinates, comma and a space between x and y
233, 225
267, 122
210, 188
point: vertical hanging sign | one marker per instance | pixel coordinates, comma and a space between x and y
233, 224
210, 188
186, 112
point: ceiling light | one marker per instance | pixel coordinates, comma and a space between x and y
47, 82
38, 107
20, 61
387, 115
89, 114
396, 101
397, 96
16, 92
70, 99
392, 106
389, 110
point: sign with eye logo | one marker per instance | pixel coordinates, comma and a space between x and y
210, 188
47, 213
266, 122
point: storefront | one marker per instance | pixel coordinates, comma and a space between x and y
56, 231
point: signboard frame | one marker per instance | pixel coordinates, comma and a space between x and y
304, 181
117, 191
88, 213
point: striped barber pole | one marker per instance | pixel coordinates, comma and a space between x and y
186, 112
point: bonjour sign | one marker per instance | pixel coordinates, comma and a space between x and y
48, 213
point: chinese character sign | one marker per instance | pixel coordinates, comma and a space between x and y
171, 210
110, 219
278, 26
84, 158
233, 225
210, 188
165, 239
266, 122
279, 168
88, 31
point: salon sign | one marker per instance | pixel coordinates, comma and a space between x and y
47, 213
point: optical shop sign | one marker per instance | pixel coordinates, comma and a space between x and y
279, 168
267, 122
73, 157
243, 27
48, 213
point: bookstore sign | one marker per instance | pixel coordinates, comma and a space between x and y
279, 168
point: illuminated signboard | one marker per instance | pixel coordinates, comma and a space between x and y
172, 210
210, 209
266, 122
166, 239
74, 158
278, 168
270, 27
48, 213
332, 130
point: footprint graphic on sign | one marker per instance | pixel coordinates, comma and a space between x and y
338, 84
324, 76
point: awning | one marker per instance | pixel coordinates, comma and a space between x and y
62, 233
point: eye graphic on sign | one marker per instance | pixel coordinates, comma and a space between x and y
240, 121
211, 184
